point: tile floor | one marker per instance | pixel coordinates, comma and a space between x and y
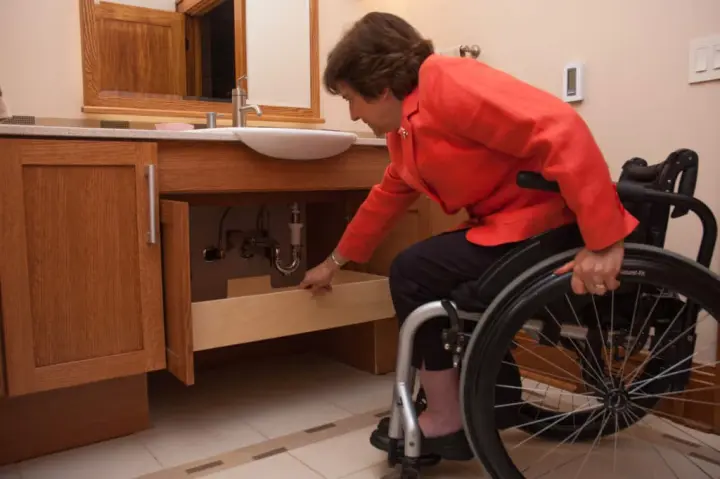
274, 403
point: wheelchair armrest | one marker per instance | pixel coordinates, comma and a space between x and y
535, 181
627, 190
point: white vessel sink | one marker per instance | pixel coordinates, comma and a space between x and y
288, 143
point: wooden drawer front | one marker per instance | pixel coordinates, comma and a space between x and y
254, 312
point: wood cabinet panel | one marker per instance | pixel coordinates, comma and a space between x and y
716, 392
81, 283
441, 222
52, 421
412, 227
3, 386
175, 227
231, 167
372, 346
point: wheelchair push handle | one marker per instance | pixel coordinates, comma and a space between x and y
638, 170
687, 161
682, 163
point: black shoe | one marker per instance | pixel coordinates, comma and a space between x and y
452, 447
380, 437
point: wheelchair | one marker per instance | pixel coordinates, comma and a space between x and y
630, 348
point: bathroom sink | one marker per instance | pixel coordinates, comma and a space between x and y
288, 143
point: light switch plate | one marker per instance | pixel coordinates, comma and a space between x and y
704, 59
702, 56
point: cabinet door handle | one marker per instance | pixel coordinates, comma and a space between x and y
152, 233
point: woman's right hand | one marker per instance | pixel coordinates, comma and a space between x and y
318, 279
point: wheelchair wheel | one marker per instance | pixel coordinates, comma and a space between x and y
630, 349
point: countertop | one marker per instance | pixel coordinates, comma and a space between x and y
131, 134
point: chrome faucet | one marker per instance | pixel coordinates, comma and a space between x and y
240, 106
4, 110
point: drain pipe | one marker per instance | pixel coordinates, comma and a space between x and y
295, 243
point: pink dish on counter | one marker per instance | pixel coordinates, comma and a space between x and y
174, 126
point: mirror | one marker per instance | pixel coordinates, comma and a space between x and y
183, 57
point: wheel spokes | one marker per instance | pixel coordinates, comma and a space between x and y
616, 413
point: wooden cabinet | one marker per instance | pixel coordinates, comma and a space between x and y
80, 273
3, 387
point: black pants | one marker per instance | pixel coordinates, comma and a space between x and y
429, 271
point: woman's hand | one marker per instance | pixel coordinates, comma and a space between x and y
318, 279
595, 272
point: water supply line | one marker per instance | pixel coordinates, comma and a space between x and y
295, 244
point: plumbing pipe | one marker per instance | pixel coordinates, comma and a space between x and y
295, 242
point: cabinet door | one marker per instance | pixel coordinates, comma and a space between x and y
716, 382
3, 390
80, 262
175, 221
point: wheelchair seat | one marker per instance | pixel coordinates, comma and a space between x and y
474, 296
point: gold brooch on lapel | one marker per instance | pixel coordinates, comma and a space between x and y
403, 132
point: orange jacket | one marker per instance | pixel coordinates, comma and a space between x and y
467, 130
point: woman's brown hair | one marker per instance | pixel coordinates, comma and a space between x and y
380, 51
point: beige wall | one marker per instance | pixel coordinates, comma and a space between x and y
40, 62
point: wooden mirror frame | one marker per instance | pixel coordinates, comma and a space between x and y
104, 102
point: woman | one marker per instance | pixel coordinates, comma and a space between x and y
458, 131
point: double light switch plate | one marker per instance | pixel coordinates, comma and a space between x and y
704, 64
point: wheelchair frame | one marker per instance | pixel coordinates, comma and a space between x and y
663, 176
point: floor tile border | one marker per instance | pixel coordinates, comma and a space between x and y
290, 442
269, 448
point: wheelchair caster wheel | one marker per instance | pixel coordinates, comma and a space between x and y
393, 456
410, 472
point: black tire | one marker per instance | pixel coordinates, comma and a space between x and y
509, 311
409, 472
